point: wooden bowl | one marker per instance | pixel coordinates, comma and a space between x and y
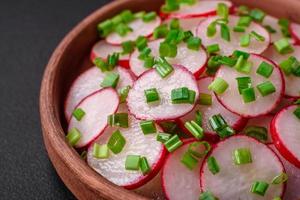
72, 57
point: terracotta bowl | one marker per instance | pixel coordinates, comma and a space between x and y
72, 57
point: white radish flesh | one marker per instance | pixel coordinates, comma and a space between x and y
187, 24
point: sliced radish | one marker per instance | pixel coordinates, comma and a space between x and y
102, 49
194, 61
232, 119
113, 168
292, 82
283, 103
262, 121
188, 24
292, 191
152, 189
178, 181
227, 48
139, 28
234, 181
95, 118
201, 8
89, 82
295, 30
285, 133
164, 110
233, 101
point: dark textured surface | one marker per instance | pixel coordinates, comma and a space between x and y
29, 32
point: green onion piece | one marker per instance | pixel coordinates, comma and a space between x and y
163, 137
225, 32
205, 99
199, 149
83, 155
144, 166
207, 196
149, 62
139, 15
127, 16
265, 69
258, 132
211, 29
239, 29
286, 67
243, 83
122, 29
187, 35
128, 47
212, 48
238, 53
141, 43
243, 10
105, 28
283, 46
167, 50
123, 93
189, 2
257, 15
180, 95
297, 112
145, 53
101, 64
270, 29
148, 127
279, 179
150, 16
116, 142
198, 117
219, 85
277, 198
243, 66
297, 102
224, 60
245, 40
194, 129
132, 162
78, 114
217, 122
244, 21
257, 36
242, 156
73, 136
151, 95
248, 95
160, 31
110, 80
259, 187
192, 96
174, 24
226, 132
163, 68
266, 88
100, 151
169, 6
118, 119
213, 65
295, 65
173, 143
222, 11
189, 161
174, 36
170, 127
116, 20
194, 43
112, 61
213, 165
284, 22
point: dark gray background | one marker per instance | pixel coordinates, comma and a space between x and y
29, 32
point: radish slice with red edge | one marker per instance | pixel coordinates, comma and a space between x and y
283, 103
139, 28
295, 31
227, 48
292, 191
102, 49
187, 24
95, 119
89, 82
292, 82
234, 181
152, 189
285, 133
194, 61
233, 101
207, 111
178, 181
113, 168
165, 109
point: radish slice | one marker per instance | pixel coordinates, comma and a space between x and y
139, 28
292, 82
152, 189
233, 101
232, 119
89, 82
234, 181
164, 110
194, 61
262, 121
201, 8
113, 168
178, 181
295, 30
95, 118
188, 24
283, 103
227, 48
285, 132
292, 191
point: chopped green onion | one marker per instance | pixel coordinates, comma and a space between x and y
244, 21
118, 119
105, 28
189, 161
189, 2
101, 64
242, 156
73, 136
219, 85
213, 65
222, 10
116, 142
284, 22
170, 127
144, 166
132, 162
297, 112
277, 198
100, 151
259, 187
211, 29
128, 47
192, 96
150, 16
279, 179
245, 40
116, 20
258, 132
175, 36
283, 46
151, 95
139, 14
167, 50
169, 6
194, 43
207, 196
224, 60
248, 95
160, 31
141, 43
122, 29
257, 36
194, 129
243, 66
243, 83
123, 93
187, 35
199, 149
127, 16
163, 137
173, 143
295, 66
163, 68
205, 99
217, 122
174, 24
225, 32
270, 29
148, 127
145, 53
182, 95
78, 114
112, 61
265, 69
286, 67
213, 165
266, 88
257, 15
297, 102
198, 117
226, 132
212, 48
149, 62
238, 53
239, 29
110, 80
83, 155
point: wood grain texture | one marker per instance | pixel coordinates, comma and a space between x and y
68, 60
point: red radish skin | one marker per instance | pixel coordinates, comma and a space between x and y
292, 82
95, 119
194, 61
285, 134
187, 24
89, 82
139, 27
264, 167
232, 100
102, 49
295, 31
152, 189
283, 103
178, 181
164, 110
227, 48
